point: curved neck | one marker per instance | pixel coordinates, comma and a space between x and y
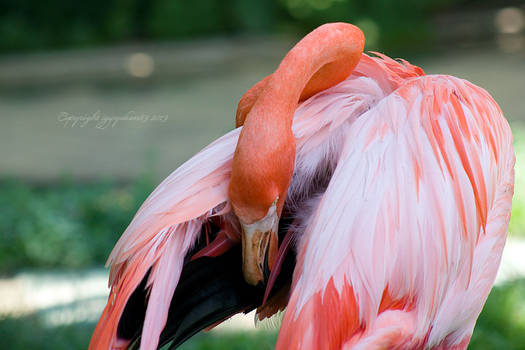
264, 158
320, 60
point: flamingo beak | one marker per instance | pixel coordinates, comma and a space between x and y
260, 244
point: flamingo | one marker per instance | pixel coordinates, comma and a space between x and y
368, 199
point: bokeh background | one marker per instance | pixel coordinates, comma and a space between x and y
101, 100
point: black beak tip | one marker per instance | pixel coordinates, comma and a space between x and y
266, 268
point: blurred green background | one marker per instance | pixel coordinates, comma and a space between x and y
101, 100
29, 25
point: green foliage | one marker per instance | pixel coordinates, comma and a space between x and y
185, 18
501, 325
517, 219
27, 24
31, 332
66, 225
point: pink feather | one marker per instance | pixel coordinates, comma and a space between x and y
402, 248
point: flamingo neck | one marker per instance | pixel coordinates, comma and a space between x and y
264, 158
320, 60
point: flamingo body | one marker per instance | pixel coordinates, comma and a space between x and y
396, 214
403, 248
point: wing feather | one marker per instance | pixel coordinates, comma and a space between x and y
416, 210
168, 222
159, 236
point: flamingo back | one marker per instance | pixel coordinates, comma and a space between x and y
404, 245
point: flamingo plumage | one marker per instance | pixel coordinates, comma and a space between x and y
369, 199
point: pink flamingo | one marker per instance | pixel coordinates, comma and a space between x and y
369, 199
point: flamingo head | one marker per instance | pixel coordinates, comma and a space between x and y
263, 162
262, 169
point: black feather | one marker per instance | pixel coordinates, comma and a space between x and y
209, 290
